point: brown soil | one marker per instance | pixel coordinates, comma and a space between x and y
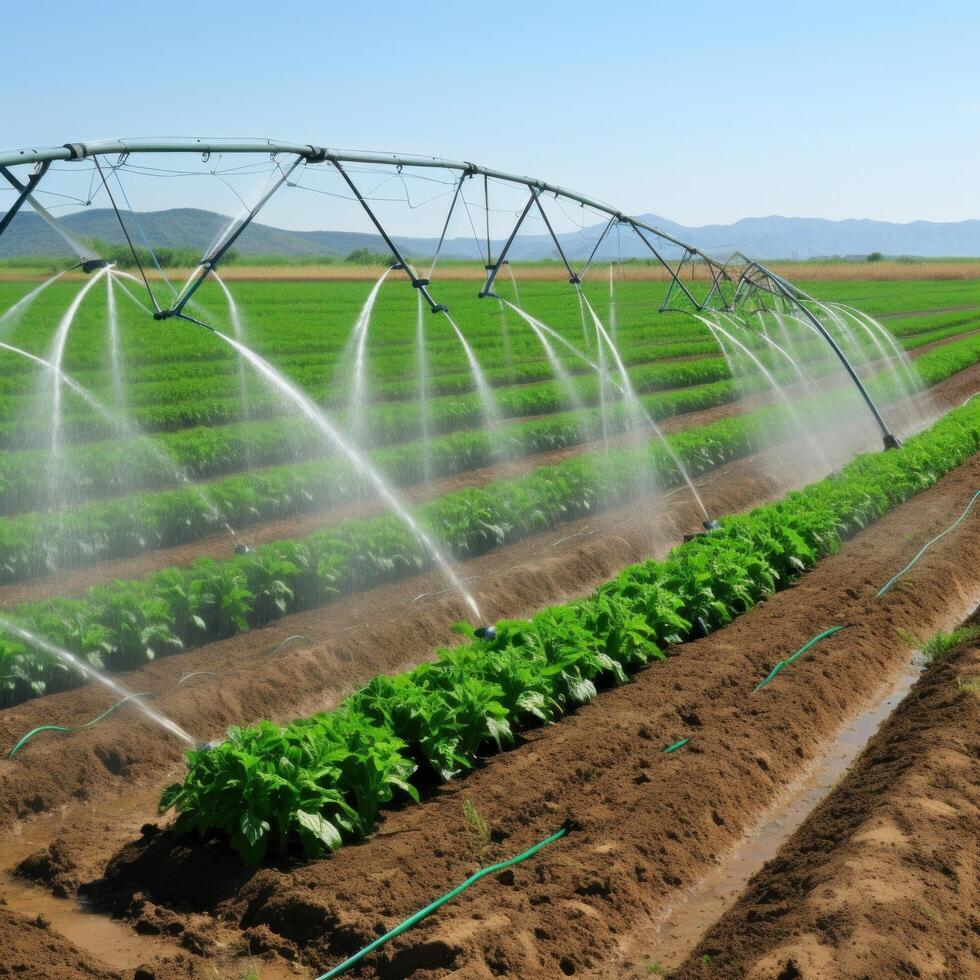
28, 948
812, 271
648, 823
947, 393
882, 879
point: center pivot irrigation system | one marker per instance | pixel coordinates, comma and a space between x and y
738, 285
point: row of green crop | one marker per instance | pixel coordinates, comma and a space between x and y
207, 451
35, 543
394, 368
285, 319
913, 326
941, 333
322, 780
384, 421
38, 542
180, 403
119, 625
183, 401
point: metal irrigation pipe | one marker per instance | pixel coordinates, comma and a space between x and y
313, 154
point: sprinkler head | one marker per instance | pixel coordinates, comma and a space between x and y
440, 308
164, 314
708, 526
91, 265
486, 632
891, 442
206, 746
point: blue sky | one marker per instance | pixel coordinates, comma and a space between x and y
702, 112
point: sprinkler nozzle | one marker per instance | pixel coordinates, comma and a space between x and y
891, 442
206, 746
164, 314
440, 308
419, 283
486, 632
91, 265
708, 526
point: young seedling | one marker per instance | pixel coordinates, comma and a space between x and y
478, 826
940, 643
969, 685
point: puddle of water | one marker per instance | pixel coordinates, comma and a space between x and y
685, 922
113, 943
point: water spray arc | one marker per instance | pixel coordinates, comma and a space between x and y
757, 283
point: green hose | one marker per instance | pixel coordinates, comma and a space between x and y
439, 902
676, 745
66, 730
927, 546
803, 649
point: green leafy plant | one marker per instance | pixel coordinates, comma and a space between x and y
321, 780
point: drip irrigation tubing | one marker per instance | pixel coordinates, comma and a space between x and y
67, 730
439, 902
806, 646
927, 546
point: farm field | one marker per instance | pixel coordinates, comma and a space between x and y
287, 602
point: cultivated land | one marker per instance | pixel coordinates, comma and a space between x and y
540, 511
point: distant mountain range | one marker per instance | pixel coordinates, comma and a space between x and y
773, 237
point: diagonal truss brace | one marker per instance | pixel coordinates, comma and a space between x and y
494, 268
616, 218
422, 285
572, 276
25, 190
675, 278
209, 262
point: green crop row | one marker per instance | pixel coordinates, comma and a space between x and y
110, 467
99, 469
121, 624
322, 780
38, 542
33, 544
288, 319
382, 422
